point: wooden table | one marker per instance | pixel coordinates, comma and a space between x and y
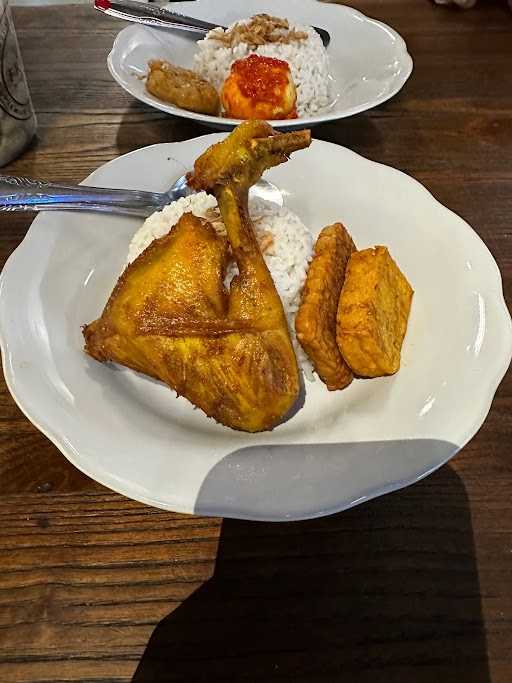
416, 586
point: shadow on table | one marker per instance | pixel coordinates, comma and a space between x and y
359, 133
384, 592
142, 125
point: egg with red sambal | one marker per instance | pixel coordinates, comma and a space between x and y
259, 88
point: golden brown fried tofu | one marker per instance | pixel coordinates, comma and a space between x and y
315, 322
373, 313
182, 87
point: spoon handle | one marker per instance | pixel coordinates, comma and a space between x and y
25, 194
149, 15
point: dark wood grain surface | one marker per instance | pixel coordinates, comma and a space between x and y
416, 586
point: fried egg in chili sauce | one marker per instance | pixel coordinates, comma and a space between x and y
260, 88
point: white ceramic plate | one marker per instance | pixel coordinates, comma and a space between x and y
133, 435
369, 60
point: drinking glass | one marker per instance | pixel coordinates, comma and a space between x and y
17, 118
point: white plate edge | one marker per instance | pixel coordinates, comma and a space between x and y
106, 480
312, 120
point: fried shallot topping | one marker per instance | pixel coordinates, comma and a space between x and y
259, 30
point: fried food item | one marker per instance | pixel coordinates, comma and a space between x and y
261, 29
315, 322
228, 168
373, 313
260, 88
171, 317
182, 87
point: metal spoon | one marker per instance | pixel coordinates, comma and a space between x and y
158, 17
25, 194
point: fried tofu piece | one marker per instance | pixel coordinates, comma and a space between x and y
182, 87
373, 313
315, 323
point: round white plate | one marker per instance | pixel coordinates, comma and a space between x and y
133, 435
369, 60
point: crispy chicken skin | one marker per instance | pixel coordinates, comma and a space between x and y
373, 313
170, 316
315, 322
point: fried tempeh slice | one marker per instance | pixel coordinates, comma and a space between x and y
373, 313
315, 322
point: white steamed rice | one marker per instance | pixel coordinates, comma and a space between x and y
287, 259
308, 61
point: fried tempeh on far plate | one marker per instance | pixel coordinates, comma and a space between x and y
373, 313
315, 323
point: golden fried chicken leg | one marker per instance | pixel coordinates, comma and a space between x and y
171, 317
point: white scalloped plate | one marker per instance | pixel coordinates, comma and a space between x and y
369, 60
133, 435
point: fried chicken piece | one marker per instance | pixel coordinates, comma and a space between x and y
315, 322
182, 87
373, 313
171, 317
228, 168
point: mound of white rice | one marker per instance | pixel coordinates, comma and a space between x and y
287, 257
308, 61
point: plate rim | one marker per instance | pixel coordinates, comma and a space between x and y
66, 448
217, 121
